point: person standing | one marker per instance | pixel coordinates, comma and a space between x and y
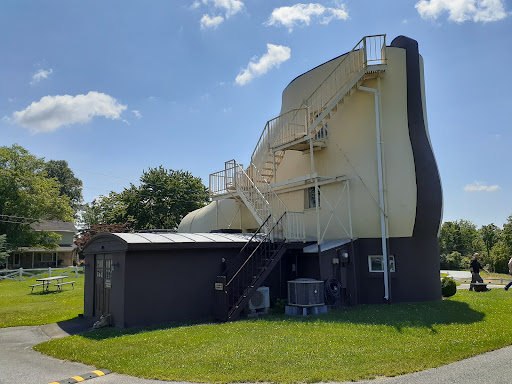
510, 272
475, 268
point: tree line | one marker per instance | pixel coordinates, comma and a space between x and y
34, 189
460, 239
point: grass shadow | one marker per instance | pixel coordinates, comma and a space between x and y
111, 332
399, 316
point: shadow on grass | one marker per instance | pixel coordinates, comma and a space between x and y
111, 332
399, 316
45, 292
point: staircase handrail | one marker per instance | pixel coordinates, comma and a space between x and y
360, 57
239, 167
356, 60
267, 236
271, 133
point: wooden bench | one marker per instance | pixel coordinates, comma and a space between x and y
35, 285
59, 285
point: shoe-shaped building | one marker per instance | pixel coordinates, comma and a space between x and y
342, 185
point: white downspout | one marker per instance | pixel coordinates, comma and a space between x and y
381, 191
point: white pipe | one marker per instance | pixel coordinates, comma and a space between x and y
381, 191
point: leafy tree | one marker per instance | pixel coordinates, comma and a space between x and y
109, 209
27, 195
70, 186
490, 235
161, 200
3, 249
507, 232
459, 236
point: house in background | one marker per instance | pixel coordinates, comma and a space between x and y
62, 256
342, 187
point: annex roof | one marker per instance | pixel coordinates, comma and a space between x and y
148, 238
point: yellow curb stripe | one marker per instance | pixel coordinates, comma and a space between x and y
78, 378
99, 373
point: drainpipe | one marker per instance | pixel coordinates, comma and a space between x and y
381, 191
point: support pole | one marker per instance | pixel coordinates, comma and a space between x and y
383, 225
317, 197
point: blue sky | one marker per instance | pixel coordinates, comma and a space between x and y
116, 87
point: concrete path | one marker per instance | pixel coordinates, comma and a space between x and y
457, 274
22, 365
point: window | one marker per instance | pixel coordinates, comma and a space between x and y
309, 198
376, 264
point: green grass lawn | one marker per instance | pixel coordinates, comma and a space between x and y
353, 344
19, 307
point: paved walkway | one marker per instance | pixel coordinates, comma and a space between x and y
461, 275
22, 365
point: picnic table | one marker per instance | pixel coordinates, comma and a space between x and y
45, 282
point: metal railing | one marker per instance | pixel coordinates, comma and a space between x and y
223, 182
369, 51
250, 265
280, 130
259, 197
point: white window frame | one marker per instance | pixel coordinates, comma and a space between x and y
309, 198
391, 259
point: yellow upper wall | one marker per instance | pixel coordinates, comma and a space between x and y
352, 151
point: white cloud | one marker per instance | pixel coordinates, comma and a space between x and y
39, 75
231, 7
211, 22
228, 7
137, 114
53, 112
303, 13
478, 186
463, 10
276, 54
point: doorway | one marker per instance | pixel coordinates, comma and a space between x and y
102, 284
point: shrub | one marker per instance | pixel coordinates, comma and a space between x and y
448, 286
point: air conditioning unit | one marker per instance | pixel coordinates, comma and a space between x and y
260, 299
306, 292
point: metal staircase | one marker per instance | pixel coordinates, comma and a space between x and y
302, 129
265, 205
245, 274
294, 129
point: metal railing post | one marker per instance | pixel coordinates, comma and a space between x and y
21, 273
50, 271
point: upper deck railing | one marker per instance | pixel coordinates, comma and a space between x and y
369, 51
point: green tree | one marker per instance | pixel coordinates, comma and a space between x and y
161, 200
3, 249
507, 232
28, 195
109, 209
70, 186
459, 236
490, 236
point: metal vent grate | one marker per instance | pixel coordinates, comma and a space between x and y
306, 292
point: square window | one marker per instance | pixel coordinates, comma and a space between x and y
376, 264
